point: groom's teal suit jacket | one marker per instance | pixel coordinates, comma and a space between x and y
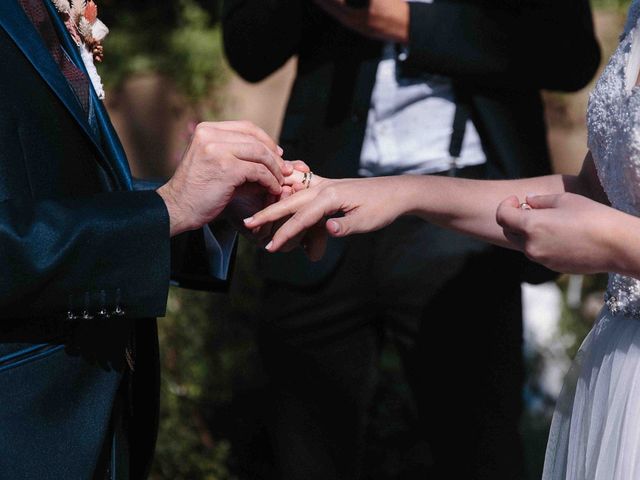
85, 266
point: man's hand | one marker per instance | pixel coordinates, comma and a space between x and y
382, 19
221, 157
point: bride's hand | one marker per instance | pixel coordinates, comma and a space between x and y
367, 205
567, 233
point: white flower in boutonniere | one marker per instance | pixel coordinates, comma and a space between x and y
81, 19
62, 6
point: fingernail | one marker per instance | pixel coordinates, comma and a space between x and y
531, 195
269, 245
249, 220
334, 226
280, 150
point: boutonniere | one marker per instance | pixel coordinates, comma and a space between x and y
81, 19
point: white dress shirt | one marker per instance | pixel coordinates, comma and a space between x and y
410, 123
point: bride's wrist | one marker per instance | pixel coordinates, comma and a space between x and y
407, 190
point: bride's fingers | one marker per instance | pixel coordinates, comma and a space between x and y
295, 178
286, 193
298, 178
298, 165
543, 201
313, 241
281, 209
510, 216
301, 221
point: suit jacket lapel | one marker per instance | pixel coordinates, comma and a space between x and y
111, 142
18, 26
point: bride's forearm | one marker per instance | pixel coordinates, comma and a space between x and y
469, 206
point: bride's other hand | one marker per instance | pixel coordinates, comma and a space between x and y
568, 233
367, 205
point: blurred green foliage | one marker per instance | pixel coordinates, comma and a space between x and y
577, 320
212, 383
179, 39
194, 377
610, 4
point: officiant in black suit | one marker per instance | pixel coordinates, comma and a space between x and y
438, 87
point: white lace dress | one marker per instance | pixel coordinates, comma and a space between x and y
595, 434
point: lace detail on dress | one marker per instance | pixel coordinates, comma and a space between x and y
613, 119
626, 304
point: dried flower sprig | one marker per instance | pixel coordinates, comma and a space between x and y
81, 19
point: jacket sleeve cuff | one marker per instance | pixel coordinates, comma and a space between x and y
203, 259
143, 256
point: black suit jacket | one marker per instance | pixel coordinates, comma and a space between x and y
85, 264
499, 53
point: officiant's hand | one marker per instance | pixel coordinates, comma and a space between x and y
221, 158
383, 19
565, 232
